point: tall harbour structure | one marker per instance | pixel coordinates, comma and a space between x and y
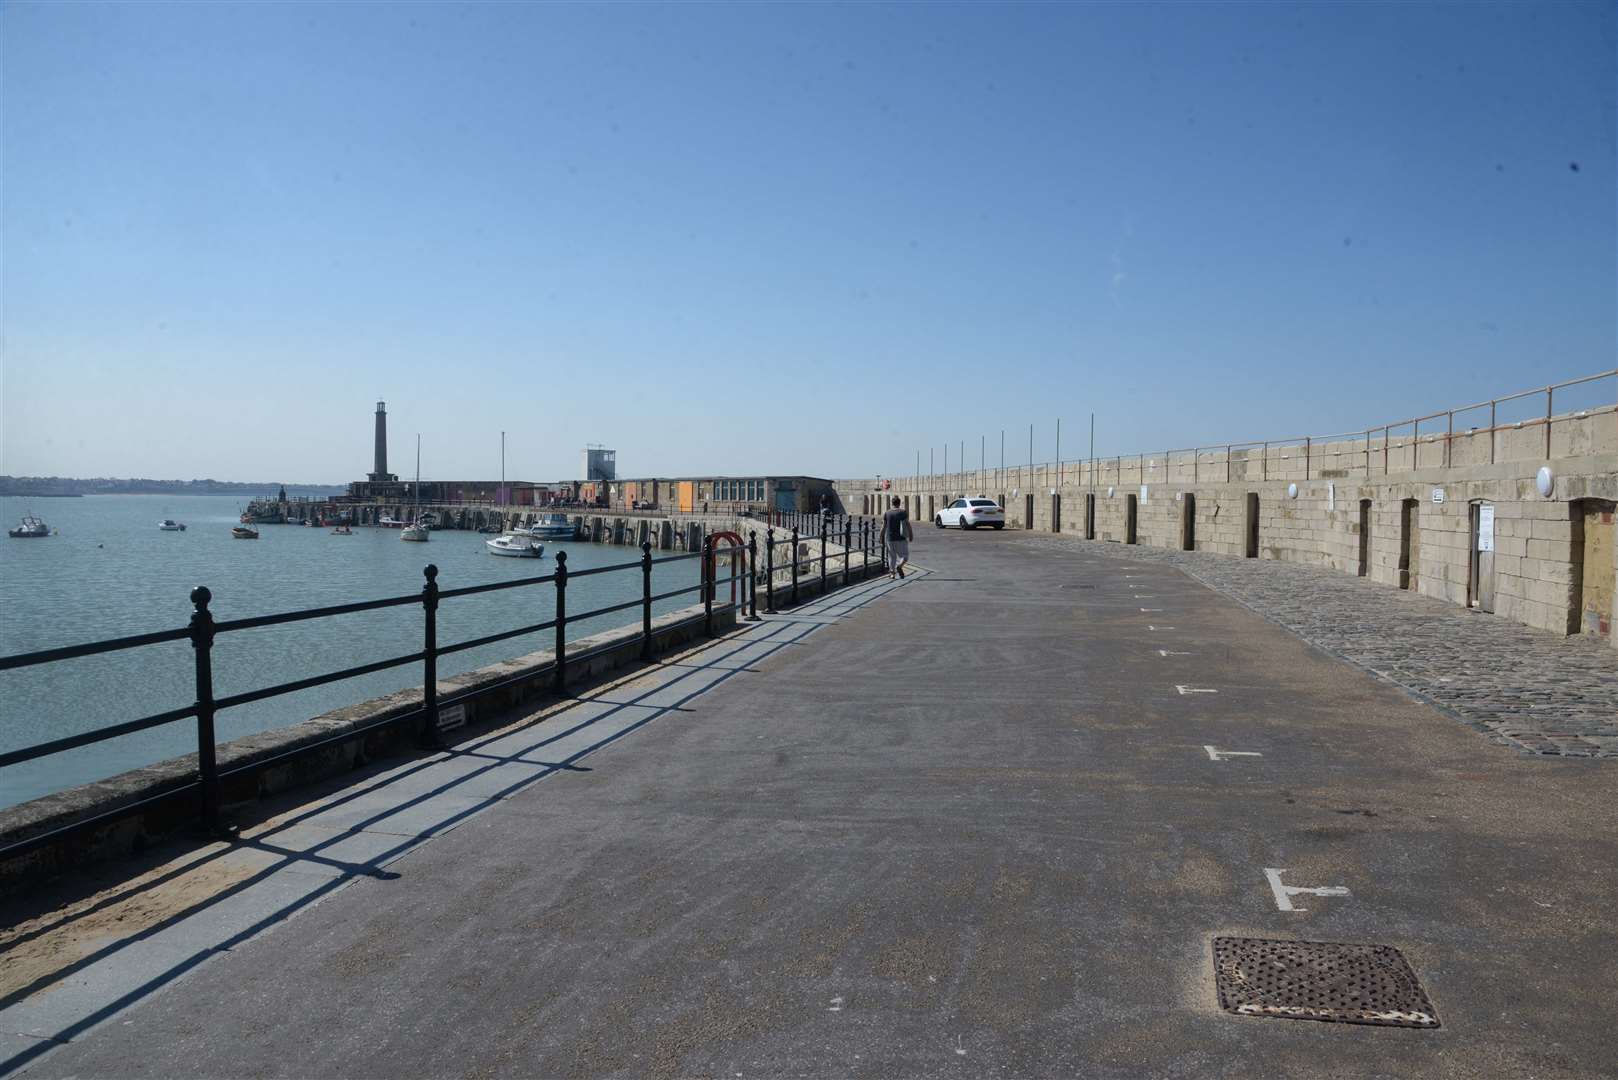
380, 474
599, 463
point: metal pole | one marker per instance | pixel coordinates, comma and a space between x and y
823, 556
848, 539
558, 674
1058, 453
1002, 462
202, 634
1549, 393
429, 654
769, 571
708, 575
752, 575
646, 600
794, 567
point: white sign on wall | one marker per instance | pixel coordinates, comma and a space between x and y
1486, 527
1331, 496
1143, 493
1438, 495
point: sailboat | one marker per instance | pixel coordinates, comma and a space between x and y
416, 530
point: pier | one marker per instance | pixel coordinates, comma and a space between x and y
772, 853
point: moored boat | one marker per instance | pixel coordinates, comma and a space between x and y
549, 527
342, 530
170, 525
31, 529
243, 532
514, 546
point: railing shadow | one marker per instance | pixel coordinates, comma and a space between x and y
372, 867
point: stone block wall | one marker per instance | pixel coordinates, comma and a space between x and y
1539, 567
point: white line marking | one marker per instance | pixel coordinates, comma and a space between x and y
1151, 627
836, 1005
1148, 609
1193, 689
1221, 755
1160, 652
1284, 893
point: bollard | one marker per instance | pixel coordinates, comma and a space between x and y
708, 576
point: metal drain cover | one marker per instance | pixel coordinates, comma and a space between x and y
1320, 980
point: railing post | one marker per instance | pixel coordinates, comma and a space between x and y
646, 600
709, 573
1550, 392
865, 548
207, 763
794, 567
848, 538
769, 570
429, 657
751, 580
822, 554
559, 671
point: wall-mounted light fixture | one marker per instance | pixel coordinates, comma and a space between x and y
1545, 480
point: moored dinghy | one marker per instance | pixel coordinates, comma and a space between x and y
519, 547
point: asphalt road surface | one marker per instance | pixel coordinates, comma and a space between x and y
973, 828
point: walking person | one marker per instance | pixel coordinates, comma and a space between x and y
896, 527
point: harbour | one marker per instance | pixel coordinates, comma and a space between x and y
111, 571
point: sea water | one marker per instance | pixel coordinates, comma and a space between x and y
111, 572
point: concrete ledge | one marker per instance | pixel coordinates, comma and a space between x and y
322, 747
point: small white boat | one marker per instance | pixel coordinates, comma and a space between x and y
31, 528
170, 525
517, 547
417, 529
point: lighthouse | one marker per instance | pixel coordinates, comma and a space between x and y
380, 474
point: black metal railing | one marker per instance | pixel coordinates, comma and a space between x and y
203, 630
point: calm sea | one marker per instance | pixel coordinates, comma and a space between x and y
111, 572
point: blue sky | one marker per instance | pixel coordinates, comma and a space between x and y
807, 238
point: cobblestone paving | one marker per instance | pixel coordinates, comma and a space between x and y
1527, 688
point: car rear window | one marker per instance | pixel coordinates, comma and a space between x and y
982, 502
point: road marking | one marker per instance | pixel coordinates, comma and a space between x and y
1284, 893
1149, 609
1160, 652
836, 1005
1223, 755
1193, 689
1151, 627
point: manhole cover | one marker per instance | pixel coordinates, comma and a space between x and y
1320, 980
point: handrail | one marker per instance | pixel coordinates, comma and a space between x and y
203, 630
924, 482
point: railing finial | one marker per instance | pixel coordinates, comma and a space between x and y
200, 596
430, 572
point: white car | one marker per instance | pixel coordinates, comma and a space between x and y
970, 513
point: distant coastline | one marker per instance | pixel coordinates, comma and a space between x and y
64, 487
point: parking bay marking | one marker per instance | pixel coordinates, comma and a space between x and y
1151, 609
1193, 689
1285, 893
1149, 626
1171, 652
1215, 754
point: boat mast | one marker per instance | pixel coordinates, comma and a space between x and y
418, 479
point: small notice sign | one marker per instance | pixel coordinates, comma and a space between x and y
1438, 495
453, 716
1486, 527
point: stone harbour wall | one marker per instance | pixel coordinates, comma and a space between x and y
1401, 511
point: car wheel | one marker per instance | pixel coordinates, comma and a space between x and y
939, 521
999, 525
968, 524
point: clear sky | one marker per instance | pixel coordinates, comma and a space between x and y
807, 238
